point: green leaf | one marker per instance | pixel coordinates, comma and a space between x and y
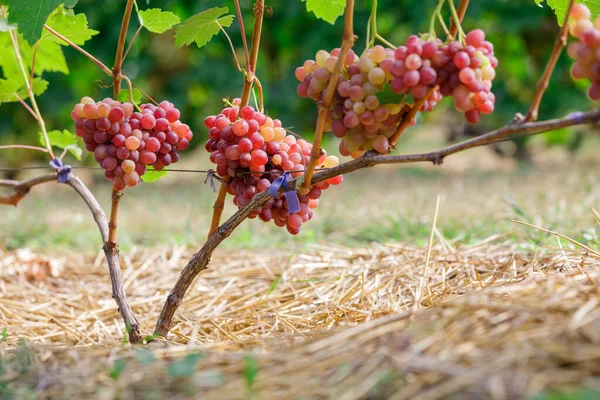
387, 96
39, 86
185, 367
30, 16
202, 27
117, 369
158, 21
70, 3
123, 96
274, 284
250, 371
71, 26
560, 7
152, 175
5, 26
63, 140
145, 357
49, 57
327, 10
8, 88
4, 335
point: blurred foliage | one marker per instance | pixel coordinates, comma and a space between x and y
197, 79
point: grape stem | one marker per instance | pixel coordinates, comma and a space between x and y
372, 25
24, 104
561, 42
259, 9
260, 93
457, 16
200, 260
116, 72
32, 72
408, 116
243, 33
434, 16
237, 62
456, 20
99, 63
135, 35
347, 43
23, 146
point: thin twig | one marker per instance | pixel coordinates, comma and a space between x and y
31, 74
36, 110
259, 11
561, 42
113, 223
23, 146
261, 99
24, 104
461, 11
22, 188
143, 92
407, 117
116, 72
200, 260
237, 62
325, 105
243, 33
99, 63
218, 208
137, 32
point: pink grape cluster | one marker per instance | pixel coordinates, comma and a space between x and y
466, 72
125, 141
253, 150
358, 116
586, 51
414, 71
365, 117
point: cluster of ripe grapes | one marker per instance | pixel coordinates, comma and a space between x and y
420, 71
125, 141
253, 150
586, 50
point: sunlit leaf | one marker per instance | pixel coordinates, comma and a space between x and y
560, 7
158, 21
30, 16
327, 10
152, 175
71, 26
202, 27
8, 88
63, 140
123, 96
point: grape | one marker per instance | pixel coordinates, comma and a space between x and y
111, 130
586, 49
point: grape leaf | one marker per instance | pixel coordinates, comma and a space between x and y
202, 27
5, 26
49, 57
123, 96
8, 88
73, 27
327, 10
158, 21
152, 175
560, 7
63, 140
30, 16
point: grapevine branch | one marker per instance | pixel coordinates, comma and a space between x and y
347, 43
561, 42
461, 11
21, 189
259, 9
201, 259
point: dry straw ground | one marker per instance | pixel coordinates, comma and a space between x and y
483, 321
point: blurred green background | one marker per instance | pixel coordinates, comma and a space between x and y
197, 79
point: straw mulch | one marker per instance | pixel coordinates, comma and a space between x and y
484, 321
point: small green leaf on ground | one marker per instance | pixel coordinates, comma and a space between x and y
185, 367
63, 140
202, 27
152, 175
274, 284
117, 369
250, 371
4, 334
30, 16
145, 357
327, 10
158, 21
123, 96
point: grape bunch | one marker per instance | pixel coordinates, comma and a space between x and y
125, 141
414, 71
358, 116
364, 114
253, 150
465, 72
585, 51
